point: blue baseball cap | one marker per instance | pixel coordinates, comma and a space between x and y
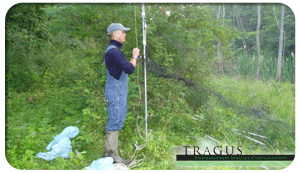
114, 27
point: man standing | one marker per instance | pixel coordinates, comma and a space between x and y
116, 88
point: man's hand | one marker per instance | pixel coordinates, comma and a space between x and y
135, 52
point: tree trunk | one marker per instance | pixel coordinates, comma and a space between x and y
257, 40
240, 25
233, 25
218, 44
219, 52
278, 75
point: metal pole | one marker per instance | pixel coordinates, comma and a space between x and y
145, 56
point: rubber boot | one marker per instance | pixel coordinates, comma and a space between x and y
111, 147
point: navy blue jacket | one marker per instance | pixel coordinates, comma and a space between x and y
116, 62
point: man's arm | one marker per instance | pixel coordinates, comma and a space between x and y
116, 59
133, 61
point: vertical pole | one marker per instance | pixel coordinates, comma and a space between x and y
145, 72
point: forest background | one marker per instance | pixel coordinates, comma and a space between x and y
205, 61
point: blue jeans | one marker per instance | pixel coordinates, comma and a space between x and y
116, 92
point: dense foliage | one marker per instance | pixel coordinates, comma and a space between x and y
55, 77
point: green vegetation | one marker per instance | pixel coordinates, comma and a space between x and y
55, 78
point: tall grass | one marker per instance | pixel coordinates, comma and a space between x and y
263, 107
245, 64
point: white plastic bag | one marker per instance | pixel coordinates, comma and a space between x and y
101, 164
61, 145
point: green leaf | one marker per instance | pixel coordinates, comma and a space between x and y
29, 152
42, 130
134, 96
95, 116
71, 155
181, 101
132, 103
76, 161
71, 111
86, 111
80, 155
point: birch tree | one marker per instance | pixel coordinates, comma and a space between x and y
219, 52
257, 40
240, 25
278, 75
